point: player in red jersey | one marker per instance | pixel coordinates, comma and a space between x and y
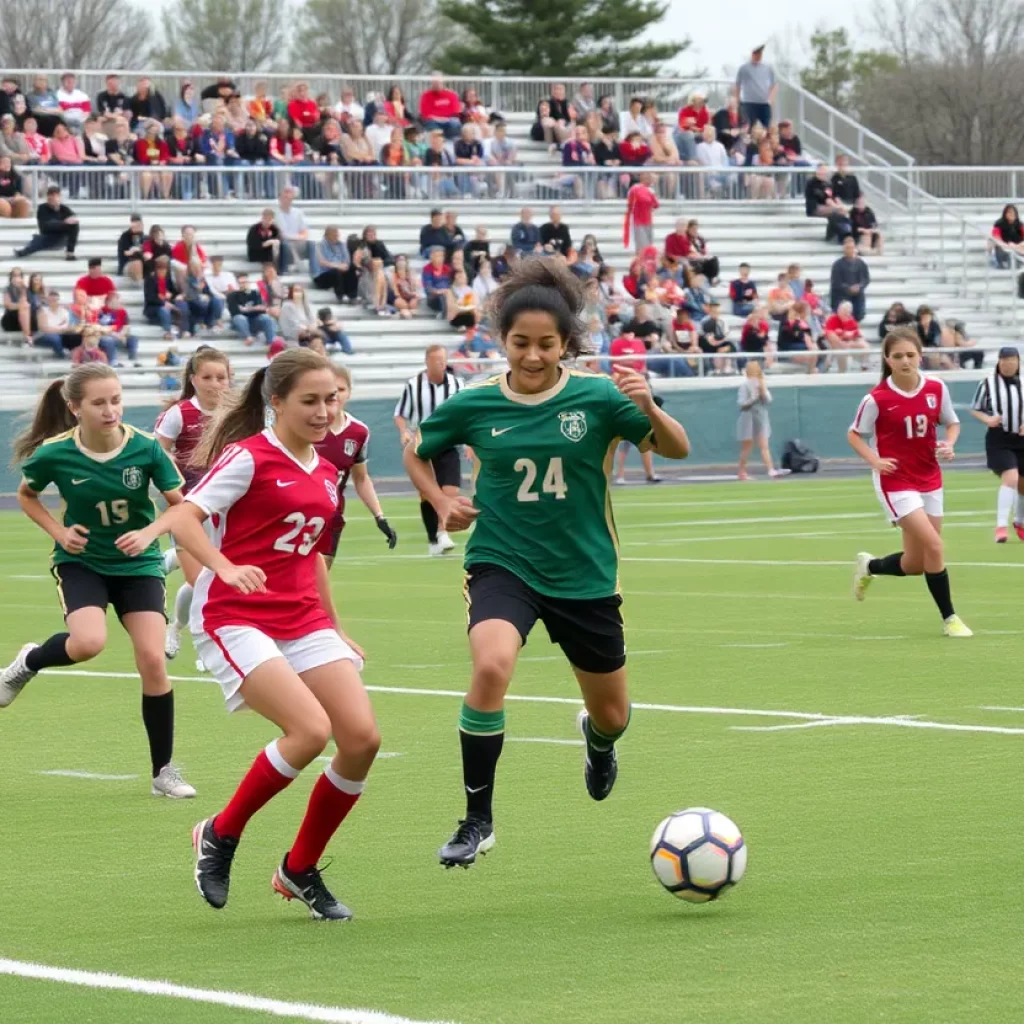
204, 380
264, 621
902, 413
346, 448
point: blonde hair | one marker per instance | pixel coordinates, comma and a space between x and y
754, 369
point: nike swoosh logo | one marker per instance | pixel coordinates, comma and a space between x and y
505, 430
77, 482
479, 789
286, 483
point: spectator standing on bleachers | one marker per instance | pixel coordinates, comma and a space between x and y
113, 321
148, 104
820, 201
95, 283
439, 108
263, 240
1007, 234
525, 234
248, 313
75, 105
742, 290
641, 202
845, 186
865, 226
756, 88
291, 222
58, 227
850, 279
13, 203
161, 299
332, 263
555, 236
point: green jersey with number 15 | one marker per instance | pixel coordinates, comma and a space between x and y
543, 465
107, 493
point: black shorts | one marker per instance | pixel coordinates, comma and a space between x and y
448, 468
589, 632
78, 587
1003, 452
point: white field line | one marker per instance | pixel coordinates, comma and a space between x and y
545, 739
70, 773
898, 721
235, 1000
794, 561
997, 707
781, 643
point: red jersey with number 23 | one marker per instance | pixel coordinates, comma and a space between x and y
904, 427
274, 512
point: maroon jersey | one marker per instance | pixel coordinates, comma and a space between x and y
345, 449
183, 423
904, 427
274, 513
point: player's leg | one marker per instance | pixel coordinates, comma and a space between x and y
620, 463
178, 620
83, 598
766, 454
745, 447
924, 554
896, 505
338, 688
1007, 499
647, 458
1018, 508
448, 471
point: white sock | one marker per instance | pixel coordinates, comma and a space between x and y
1004, 504
1018, 510
183, 605
170, 561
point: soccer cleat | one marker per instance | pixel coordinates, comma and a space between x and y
435, 550
601, 767
445, 542
472, 837
169, 783
619, 481
861, 577
15, 676
172, 641
200, 667
170, 561
308, 887
1018, 528
214, 855
954, 626
1002, 535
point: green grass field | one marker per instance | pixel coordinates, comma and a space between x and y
883, 881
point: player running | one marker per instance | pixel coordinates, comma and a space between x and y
102, 469
264, 623
902, 412
204, 380
346, 447
544, 546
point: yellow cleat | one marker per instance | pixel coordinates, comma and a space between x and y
954, 626
861, 577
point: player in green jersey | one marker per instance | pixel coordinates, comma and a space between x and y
102, 469
544, 544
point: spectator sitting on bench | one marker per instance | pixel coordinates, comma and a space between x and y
58, 227
865, 226
820, 201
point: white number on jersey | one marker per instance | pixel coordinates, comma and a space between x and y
552, 483
917, 426
310, 530
115, 512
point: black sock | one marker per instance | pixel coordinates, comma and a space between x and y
158, 717
481, 735
938, 587
888, 566
52, 653
429, 520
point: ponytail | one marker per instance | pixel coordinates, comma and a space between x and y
241, 415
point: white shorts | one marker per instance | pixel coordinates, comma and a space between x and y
898, 504
231, 653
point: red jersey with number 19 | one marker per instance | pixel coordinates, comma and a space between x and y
274, 510
904, 423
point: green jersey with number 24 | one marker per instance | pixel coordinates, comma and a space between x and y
107, 493
542, 477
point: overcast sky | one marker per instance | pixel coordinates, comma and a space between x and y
723, 32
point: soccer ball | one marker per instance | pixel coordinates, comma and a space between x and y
698, 854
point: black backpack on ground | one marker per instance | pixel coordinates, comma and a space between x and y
798, 458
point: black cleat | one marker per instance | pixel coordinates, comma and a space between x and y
214, 855
601, 768
472, 837
308, 887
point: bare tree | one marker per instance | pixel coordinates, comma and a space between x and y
369, 37
223, 35
73, 34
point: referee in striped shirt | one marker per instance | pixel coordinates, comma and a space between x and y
999, 404
422, 395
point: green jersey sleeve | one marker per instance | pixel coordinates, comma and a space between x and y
445, 427
38, 469
164, 473
627, 421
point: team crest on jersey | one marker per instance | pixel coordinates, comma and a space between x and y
573, 425
350, 446
132, 478
930, 399
332, 491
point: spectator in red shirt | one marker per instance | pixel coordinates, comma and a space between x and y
628, 344
694, 249
152, 151
95, 283
755, 337
842, 334
303, 111
695, 115
184, 251
113, 319
641, 202
634, 151
440, 108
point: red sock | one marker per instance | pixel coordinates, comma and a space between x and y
331, 800
269, 774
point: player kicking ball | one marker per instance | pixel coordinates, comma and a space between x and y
544, 546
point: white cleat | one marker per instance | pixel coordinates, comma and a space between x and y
954, 626
169, 783
201, 668
861, 577
435, 550
445, 542
172, 641
170, 561
15, 676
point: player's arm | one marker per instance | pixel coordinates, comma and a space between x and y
363, 485
454, 512
323, 587
405, 435
72, 539
864, 426
668, 436
949, 419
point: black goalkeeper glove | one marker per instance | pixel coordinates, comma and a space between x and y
385, 527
